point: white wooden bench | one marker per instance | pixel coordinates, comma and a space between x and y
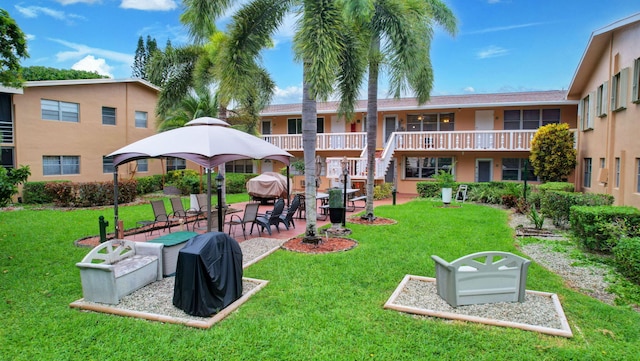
116, 268
483, 277
355, 199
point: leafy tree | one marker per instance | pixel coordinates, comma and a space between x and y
553, 155
34, 73
13, 47
406, 27
191, 107
9, 180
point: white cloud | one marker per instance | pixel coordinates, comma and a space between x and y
289, 95
504, 28
492, 52
90, 63
153, 5
81, 50
35, 11
469, 89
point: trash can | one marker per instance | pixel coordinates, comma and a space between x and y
208, 274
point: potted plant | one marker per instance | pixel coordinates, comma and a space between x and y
446, 181
336, 207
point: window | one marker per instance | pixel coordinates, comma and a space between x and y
617, 175
619, 84
431, 122
7, 160
530, 118
107, 165
239, 166
294, 126
514, 169
266, 127
419, 167
635, 86
603, 172
141, 119
6, 119
61, 111
176, 164
601, 99
143, 165
108, 116
60, 164
587, 173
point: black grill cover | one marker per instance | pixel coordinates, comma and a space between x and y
208, 274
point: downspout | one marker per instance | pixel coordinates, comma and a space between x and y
609, 151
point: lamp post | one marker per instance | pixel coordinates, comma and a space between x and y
345, 173
219, 182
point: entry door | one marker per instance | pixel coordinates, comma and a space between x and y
484, 121
337, 126
483, 170
389, 127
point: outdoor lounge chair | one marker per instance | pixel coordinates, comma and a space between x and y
250, 215
182, 214
287, 216
272, 218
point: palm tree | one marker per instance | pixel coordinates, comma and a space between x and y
193, 106
399, 34
320, 41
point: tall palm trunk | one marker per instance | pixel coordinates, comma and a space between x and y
372, 122
309, 131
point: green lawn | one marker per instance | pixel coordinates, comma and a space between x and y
316, 307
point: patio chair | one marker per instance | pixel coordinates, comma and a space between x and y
182, 214
287, 216
161, 216
250, 215
271, 218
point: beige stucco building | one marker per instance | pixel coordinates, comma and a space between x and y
64, 129
607, 83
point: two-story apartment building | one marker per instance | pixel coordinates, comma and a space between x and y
607, 84
484, 137
63, 129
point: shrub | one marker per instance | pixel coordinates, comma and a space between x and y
599, 228
536, 218
556, 186
557, 204
35, 193
553, 155
627, 258
68, 194
382, 191
9, 180
149, 184
237, 182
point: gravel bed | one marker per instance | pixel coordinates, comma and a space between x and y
157, 297
536, 310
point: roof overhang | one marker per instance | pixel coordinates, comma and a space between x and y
44, 83
11, 90
598, 43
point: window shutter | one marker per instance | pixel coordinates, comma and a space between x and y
580, 121
624, 86
605, 96
635, 92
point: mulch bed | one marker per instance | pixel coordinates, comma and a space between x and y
378, 221
326, 245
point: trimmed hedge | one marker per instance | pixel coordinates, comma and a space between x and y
627, 258
237, 182
599, 228
36, 193
556, 186
149, 184
557, 204
68, 194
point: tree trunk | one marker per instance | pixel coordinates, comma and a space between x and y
309, 132
372, 122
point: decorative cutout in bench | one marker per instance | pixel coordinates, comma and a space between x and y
483, 277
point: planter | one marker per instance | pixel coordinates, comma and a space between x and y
335, 215
446, 195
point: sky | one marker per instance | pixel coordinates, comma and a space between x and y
501, 45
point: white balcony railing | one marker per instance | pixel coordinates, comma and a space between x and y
478, 140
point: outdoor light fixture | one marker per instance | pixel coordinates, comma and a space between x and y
345, 174
219, 182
